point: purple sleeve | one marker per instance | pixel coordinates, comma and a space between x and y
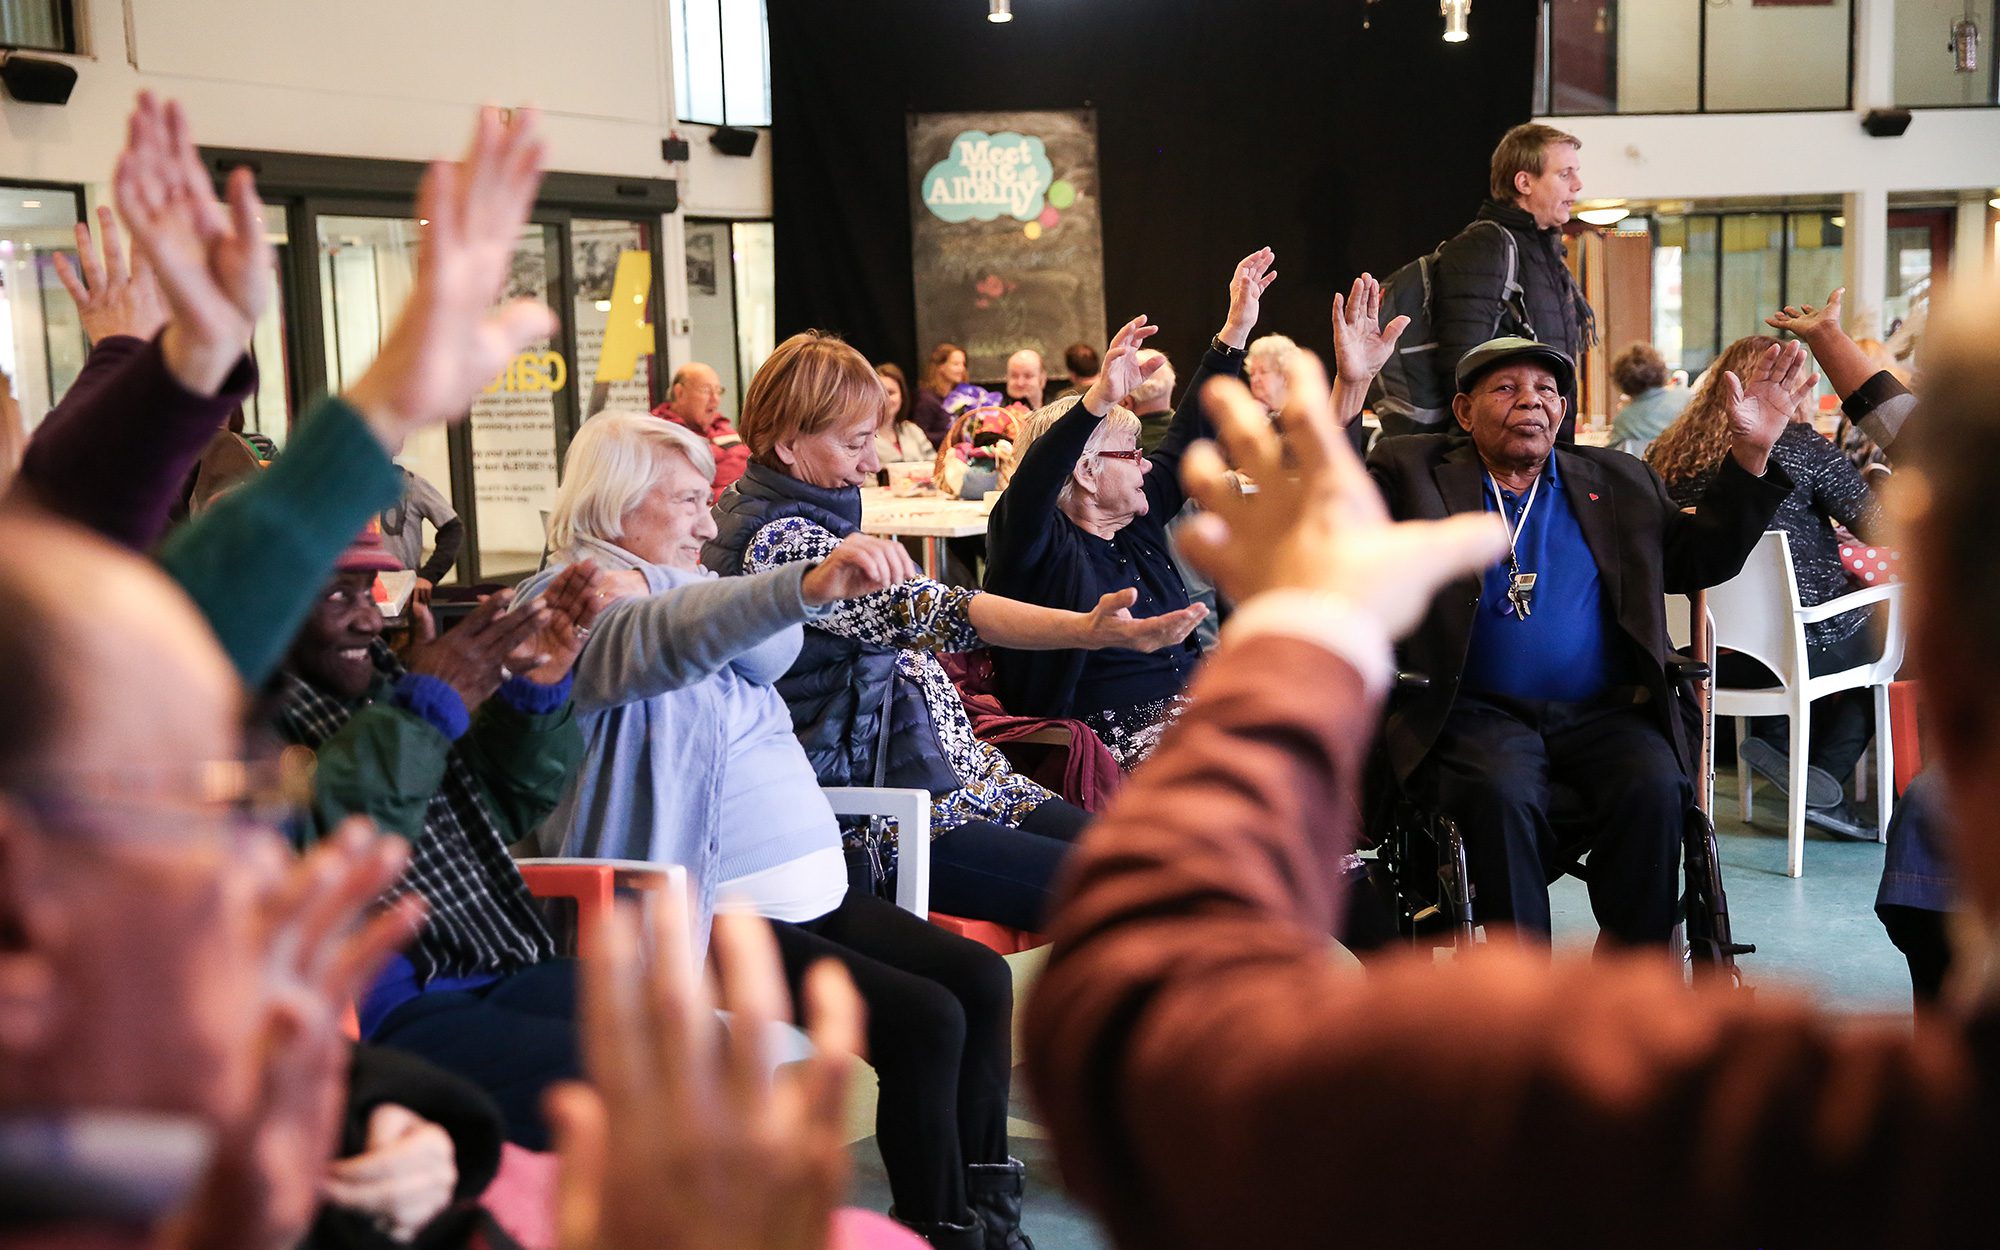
113, 454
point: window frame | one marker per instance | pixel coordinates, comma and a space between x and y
66, 17
1545, 70
684, 54
310, 187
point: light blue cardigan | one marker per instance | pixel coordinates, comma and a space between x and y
650, 787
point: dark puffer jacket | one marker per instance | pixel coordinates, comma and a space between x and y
836, 688
1468, 303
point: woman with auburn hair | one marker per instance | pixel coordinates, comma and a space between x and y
945, 370
1827, 489
898, 440
869, 700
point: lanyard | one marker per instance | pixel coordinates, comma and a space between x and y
1514, 532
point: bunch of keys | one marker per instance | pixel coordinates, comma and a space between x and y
1521, 593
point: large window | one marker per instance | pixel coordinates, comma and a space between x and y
40, 25
1716, 276
732, 300
41, 340
347, 249
1694, 56
724, 62
1928, 73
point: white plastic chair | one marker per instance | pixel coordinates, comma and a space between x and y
1758, 614
911, 810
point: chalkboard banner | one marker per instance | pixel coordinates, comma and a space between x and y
1005, 234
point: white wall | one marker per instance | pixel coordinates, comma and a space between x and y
1777, 56
394, 79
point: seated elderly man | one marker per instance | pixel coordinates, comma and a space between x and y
1086, 515
1027, 378
462, 760
692, 760
1211, 1079
170, 996
1550, 669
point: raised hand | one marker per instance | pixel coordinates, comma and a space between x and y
450, 340
1252, 277
1111, 624
1806, 321
682, 1140
573, 601
1361, 343
113, 296
860, 565
324, 941
404, 1177
1122, 371
1316, 522
469, 659
1762, 401
213, 263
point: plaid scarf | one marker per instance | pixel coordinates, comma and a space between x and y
481, 918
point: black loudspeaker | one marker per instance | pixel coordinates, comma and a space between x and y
674, 150
1886, 123
734, 141
32, 80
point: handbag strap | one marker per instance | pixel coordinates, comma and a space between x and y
882, 728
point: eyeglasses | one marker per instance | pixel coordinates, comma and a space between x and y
233, 796
1135, 455
703, 388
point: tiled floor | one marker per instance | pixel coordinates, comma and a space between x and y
1817, 935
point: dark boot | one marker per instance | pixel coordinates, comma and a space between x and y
995, 1190
946, 1236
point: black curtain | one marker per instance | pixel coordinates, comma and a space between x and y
1222, 127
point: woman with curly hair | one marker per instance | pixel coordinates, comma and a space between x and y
1826, 490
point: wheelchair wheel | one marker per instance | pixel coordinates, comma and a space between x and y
1431, 890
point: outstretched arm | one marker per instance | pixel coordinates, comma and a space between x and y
1872, 397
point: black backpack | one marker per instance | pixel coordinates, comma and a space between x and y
1409, 396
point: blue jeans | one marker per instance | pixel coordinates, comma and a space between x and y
985, 871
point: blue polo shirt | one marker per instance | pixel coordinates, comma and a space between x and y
1562, 650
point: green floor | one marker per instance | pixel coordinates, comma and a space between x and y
1816, 935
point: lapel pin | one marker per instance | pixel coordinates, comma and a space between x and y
1593, 496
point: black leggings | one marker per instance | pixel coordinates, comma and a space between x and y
940, 1037
987, 871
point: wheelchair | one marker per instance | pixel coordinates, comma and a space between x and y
1420, 867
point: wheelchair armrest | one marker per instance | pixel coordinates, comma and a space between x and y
1684, 668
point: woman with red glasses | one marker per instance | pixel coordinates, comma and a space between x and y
1086, 514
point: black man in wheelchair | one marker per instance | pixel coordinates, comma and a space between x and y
1546, 721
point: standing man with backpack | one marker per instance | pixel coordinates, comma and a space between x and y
1501, 275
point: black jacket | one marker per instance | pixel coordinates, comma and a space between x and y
1646, 549
1036, 554
1467, 300
838, 687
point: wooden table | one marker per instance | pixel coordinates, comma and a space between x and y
932, 518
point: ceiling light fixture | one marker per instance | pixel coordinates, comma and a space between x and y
1604, 216
1994, 202
999, 10
1455, 14
1964, 43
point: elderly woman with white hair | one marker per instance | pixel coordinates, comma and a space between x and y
1086, 514
691, 760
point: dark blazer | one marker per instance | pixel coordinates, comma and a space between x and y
1646, 549
1211, 1078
